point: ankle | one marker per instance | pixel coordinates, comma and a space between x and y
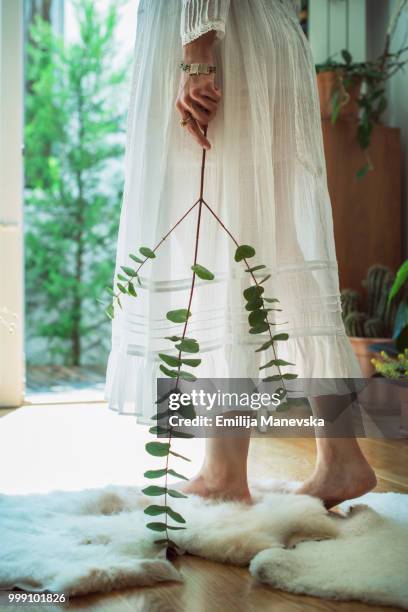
223, 479
332, 451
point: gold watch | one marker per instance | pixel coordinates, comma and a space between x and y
194, 69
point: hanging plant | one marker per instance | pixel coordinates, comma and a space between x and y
357, 90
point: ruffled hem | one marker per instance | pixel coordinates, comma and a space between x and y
132, 378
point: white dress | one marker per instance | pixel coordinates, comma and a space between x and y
265, 178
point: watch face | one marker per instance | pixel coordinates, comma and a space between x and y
199, 69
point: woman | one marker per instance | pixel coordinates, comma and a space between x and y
265, 178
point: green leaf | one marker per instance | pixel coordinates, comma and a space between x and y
146, 252
202, 272
158, 449
121, 287
187, 376
276, 362
191, 362
174, 528
253, 293
173, 338
272, 378
255, 268
110, 291
136, 258
161, 415
171, 360
167, 372
157, 526
346, 55
181, 434
110, 311
400, 279
259, 329
255, 304
157, 430
289, 376
155, 473
166, 395
244, 252
265, 278
178, 374
154, 491
280, 337
179, 456
270, 300
188, 412
177, 494
361, 173
131, 289
178, 316
175, 515
154, 510
177, 474
188, 346
128, 271
264, 346
257, 317
167, 542
151, 474
122, 278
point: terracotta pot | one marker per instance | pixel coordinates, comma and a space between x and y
364, 355
403, 395
331, 81
384, 404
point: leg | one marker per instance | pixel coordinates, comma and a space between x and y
224, 471
341, 471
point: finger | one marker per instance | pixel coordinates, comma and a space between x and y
209, 105
197, 134
207, 86
197, 112
212, 91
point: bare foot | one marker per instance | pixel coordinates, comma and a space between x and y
203, 487
340, 481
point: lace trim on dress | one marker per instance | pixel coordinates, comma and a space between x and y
218, 26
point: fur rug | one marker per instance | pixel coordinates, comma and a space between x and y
96, 541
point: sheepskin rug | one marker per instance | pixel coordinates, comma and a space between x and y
95, 541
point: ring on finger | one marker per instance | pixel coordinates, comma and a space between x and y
185, 120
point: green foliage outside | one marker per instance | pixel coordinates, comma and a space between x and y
73, 147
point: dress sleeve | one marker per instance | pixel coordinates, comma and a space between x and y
201, 16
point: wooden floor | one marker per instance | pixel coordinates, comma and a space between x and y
214, 587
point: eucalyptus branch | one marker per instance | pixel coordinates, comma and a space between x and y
171, 365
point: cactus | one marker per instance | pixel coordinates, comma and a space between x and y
354, 323
378, 284
374, 328
349, 301
380, 316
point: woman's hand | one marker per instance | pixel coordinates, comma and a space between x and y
198, 96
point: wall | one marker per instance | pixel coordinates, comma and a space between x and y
378, 16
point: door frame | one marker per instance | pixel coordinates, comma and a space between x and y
12, 366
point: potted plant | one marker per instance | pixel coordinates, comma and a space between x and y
375, 325
356, 90
395, 371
